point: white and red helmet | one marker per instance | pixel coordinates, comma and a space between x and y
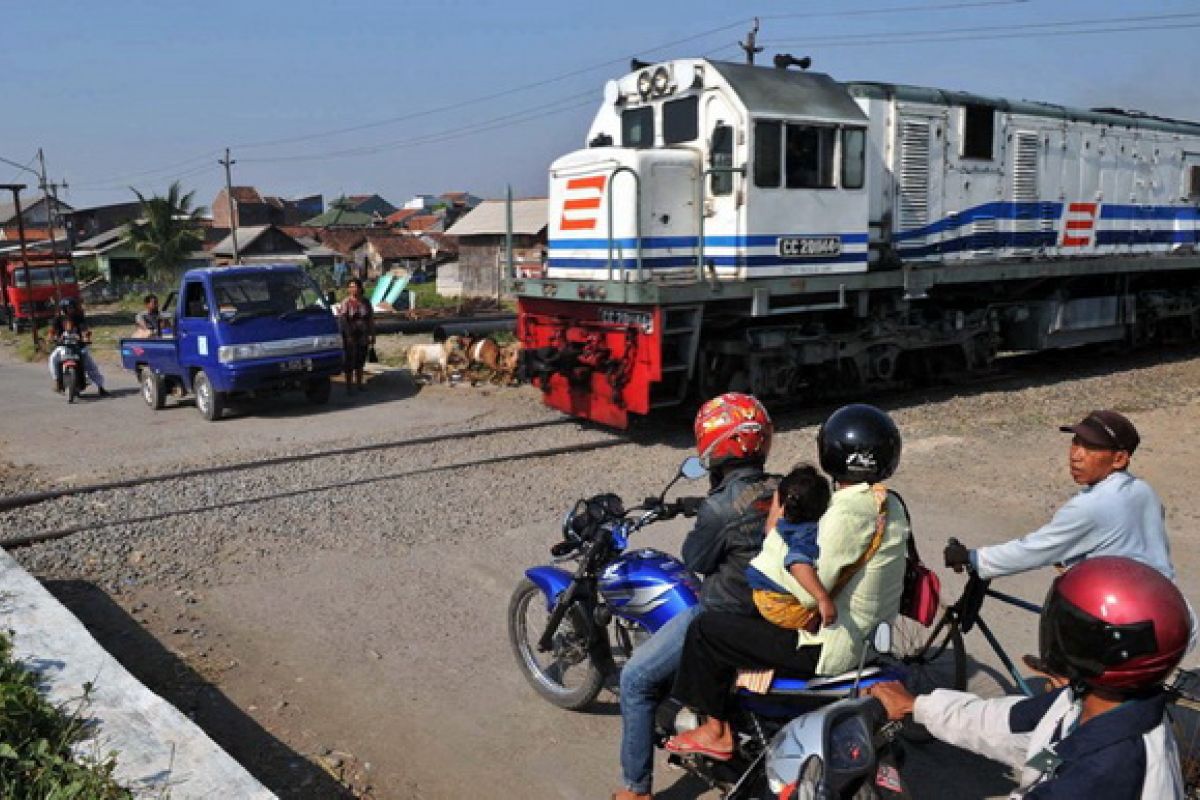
733, 427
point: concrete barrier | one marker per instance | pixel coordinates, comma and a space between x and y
159, 751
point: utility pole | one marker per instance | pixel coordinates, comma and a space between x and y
16, 188
750, 46
51, 212
227, 163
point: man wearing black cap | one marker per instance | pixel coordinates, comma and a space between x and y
1115, 514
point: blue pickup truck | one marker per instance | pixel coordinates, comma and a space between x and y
238, 330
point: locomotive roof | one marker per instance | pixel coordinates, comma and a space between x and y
1103, 116
785, 92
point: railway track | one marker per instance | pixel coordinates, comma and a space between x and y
26, 500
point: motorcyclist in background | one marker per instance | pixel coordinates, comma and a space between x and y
70, 307
733, 438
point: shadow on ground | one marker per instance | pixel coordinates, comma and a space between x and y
278, 767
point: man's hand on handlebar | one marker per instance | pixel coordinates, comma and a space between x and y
957, 556
687, 506
897, 700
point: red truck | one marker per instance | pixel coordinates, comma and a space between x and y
52, 281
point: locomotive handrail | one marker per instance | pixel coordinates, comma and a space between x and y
637, 217
700, 209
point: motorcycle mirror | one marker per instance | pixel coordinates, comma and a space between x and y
883, 638
692, 469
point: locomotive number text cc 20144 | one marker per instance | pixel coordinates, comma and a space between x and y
809, 246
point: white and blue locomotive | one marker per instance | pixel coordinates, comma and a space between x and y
775, 231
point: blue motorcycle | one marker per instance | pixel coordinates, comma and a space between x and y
570, 631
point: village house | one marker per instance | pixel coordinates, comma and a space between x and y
268, 244
480, 235
110, 255
250, 208
381, 253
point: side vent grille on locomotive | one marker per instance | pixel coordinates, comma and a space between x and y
914, 175
1027, 222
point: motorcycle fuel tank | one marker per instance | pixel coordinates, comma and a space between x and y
648, 587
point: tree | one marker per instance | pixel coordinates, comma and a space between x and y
166, 233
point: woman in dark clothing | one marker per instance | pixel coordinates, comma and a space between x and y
357, 321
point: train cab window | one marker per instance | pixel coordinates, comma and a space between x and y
768, 147
978, 132
854, 148
681, 120
809, 160
1193, 184
637, 127
722, 157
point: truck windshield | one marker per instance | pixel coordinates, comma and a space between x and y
264, 294
43, 276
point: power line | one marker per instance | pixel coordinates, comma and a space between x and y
1073, 25
942, 6
514, 118
891, 38
101, 182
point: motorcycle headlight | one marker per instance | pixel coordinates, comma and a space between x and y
850, 748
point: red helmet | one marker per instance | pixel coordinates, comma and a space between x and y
732, 426
1114, 623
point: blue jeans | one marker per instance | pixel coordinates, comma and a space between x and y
643, 679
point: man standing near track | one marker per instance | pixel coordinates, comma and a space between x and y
1115, 514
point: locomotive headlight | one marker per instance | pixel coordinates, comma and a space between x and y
643, 84
661, 79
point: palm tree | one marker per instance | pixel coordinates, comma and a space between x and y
166, 233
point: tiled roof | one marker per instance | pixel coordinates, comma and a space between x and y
340, 216
343, 241
422, 222
444, 243
401, 215
389, 247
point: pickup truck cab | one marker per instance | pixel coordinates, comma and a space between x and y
239, 330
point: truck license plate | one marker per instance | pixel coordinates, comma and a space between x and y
810, 246
296, 365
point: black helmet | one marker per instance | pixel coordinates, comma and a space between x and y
859, 443
68, 304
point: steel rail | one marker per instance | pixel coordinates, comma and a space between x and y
33, 498
62, 533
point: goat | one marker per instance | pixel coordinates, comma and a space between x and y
433, 356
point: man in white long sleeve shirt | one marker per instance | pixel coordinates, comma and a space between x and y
1112, 629
1115, 514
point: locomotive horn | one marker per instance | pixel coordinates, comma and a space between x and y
785, 60
636, 63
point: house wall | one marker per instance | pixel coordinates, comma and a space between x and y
482, 261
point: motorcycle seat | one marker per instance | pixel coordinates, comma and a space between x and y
830, 684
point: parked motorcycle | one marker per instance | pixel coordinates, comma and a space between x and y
568, 631
73, 372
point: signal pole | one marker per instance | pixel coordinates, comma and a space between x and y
227, 163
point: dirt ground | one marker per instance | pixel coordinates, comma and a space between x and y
379, 666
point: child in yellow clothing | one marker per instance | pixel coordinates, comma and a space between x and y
789, 554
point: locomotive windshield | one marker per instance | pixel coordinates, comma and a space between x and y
681, 121
637, 127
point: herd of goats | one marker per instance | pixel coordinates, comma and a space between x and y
478, 361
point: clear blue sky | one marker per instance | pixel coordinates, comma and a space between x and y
137, 92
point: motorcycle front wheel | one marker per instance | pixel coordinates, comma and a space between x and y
565, 675
69, 379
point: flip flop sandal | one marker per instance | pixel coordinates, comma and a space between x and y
686, 748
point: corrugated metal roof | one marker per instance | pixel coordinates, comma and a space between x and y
529, 218
245, 237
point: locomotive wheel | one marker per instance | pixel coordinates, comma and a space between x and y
566, 675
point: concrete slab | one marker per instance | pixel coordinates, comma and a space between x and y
160, 752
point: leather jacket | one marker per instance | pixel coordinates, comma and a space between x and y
729, 531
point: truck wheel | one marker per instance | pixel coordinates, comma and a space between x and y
152, 389
209, 401
317, 391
